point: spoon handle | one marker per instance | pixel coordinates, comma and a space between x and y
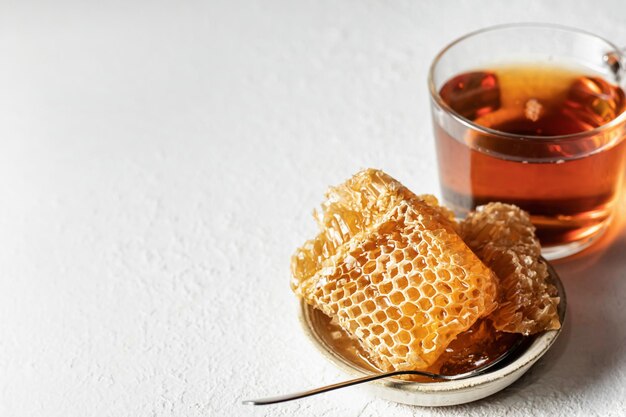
368, 378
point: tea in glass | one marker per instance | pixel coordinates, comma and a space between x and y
543, 134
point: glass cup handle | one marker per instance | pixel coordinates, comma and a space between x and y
616, 61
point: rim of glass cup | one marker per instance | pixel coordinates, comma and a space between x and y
434, 93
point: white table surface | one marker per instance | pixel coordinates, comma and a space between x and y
159, 162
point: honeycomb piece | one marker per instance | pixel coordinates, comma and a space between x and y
391, 270
504, 238
353, 207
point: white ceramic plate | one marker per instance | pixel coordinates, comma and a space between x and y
432, 393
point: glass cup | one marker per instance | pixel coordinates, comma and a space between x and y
569, 183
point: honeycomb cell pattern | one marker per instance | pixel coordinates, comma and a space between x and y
390, 268
504, 238
352, 208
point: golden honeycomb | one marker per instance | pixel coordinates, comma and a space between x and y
353, 207
391, 270
504, 238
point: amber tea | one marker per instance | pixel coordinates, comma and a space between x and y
567, 184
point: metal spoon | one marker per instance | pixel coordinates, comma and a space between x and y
297, 395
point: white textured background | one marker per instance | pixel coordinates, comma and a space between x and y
158, 165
